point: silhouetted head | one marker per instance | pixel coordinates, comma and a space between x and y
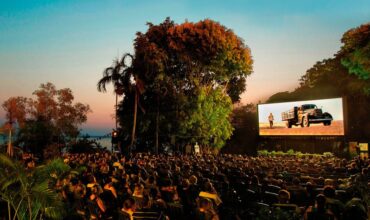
129, 204
320, 202
284, 196
329, 191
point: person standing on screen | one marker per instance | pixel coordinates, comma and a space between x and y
271, 120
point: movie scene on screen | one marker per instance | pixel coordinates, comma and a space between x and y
311, 117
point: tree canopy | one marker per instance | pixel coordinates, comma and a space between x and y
182, 57
355, 53
207, 120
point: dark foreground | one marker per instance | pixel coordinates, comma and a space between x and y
214, 187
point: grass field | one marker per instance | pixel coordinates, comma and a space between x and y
336, 128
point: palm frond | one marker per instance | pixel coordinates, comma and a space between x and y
116, 74
106, 79
47, 200
36, 207
22, 212
55, 167
11, 171
79, 169
54, 212
7, 162
124, 59
101, 86
8, 181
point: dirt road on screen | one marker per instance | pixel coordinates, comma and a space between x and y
336, 128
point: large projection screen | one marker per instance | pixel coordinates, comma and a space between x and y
312, 117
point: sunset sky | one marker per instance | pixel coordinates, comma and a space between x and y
69, 43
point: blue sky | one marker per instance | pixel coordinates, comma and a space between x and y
70, 42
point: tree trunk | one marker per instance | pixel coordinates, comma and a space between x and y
29, 207
134, 123
9, 211
115, 117
157, 128
10, 147
116, 111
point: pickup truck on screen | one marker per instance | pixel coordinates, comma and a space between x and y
305, 115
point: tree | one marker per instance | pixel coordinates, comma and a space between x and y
355, 53
51, 117
245, 136
30, 193
124, 81
16, 110
176, 62
36, 135
117, 74
188, 55
207, 120
345, 75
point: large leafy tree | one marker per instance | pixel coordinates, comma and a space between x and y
51, 117
355, 53
207, 120
16, 111
176, 63
182, 57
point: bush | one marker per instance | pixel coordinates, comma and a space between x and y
328, 154
85, 145
263, 153
291, 152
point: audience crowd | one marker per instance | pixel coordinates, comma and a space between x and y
209, 187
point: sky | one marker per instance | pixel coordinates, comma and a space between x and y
69, 42
332, 106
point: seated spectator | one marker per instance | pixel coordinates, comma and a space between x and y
333, 204
138, 194
152, 183
129, 207
284, 202
210, 193
284, 196
319, 211
355, 208
310, 195
205, 210
95, 205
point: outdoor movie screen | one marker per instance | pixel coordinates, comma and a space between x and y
313, 117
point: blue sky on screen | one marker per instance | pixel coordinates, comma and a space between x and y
332, 106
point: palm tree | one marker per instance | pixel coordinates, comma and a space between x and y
122, 76
9, 149
138, 87
112, 75
29, 193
